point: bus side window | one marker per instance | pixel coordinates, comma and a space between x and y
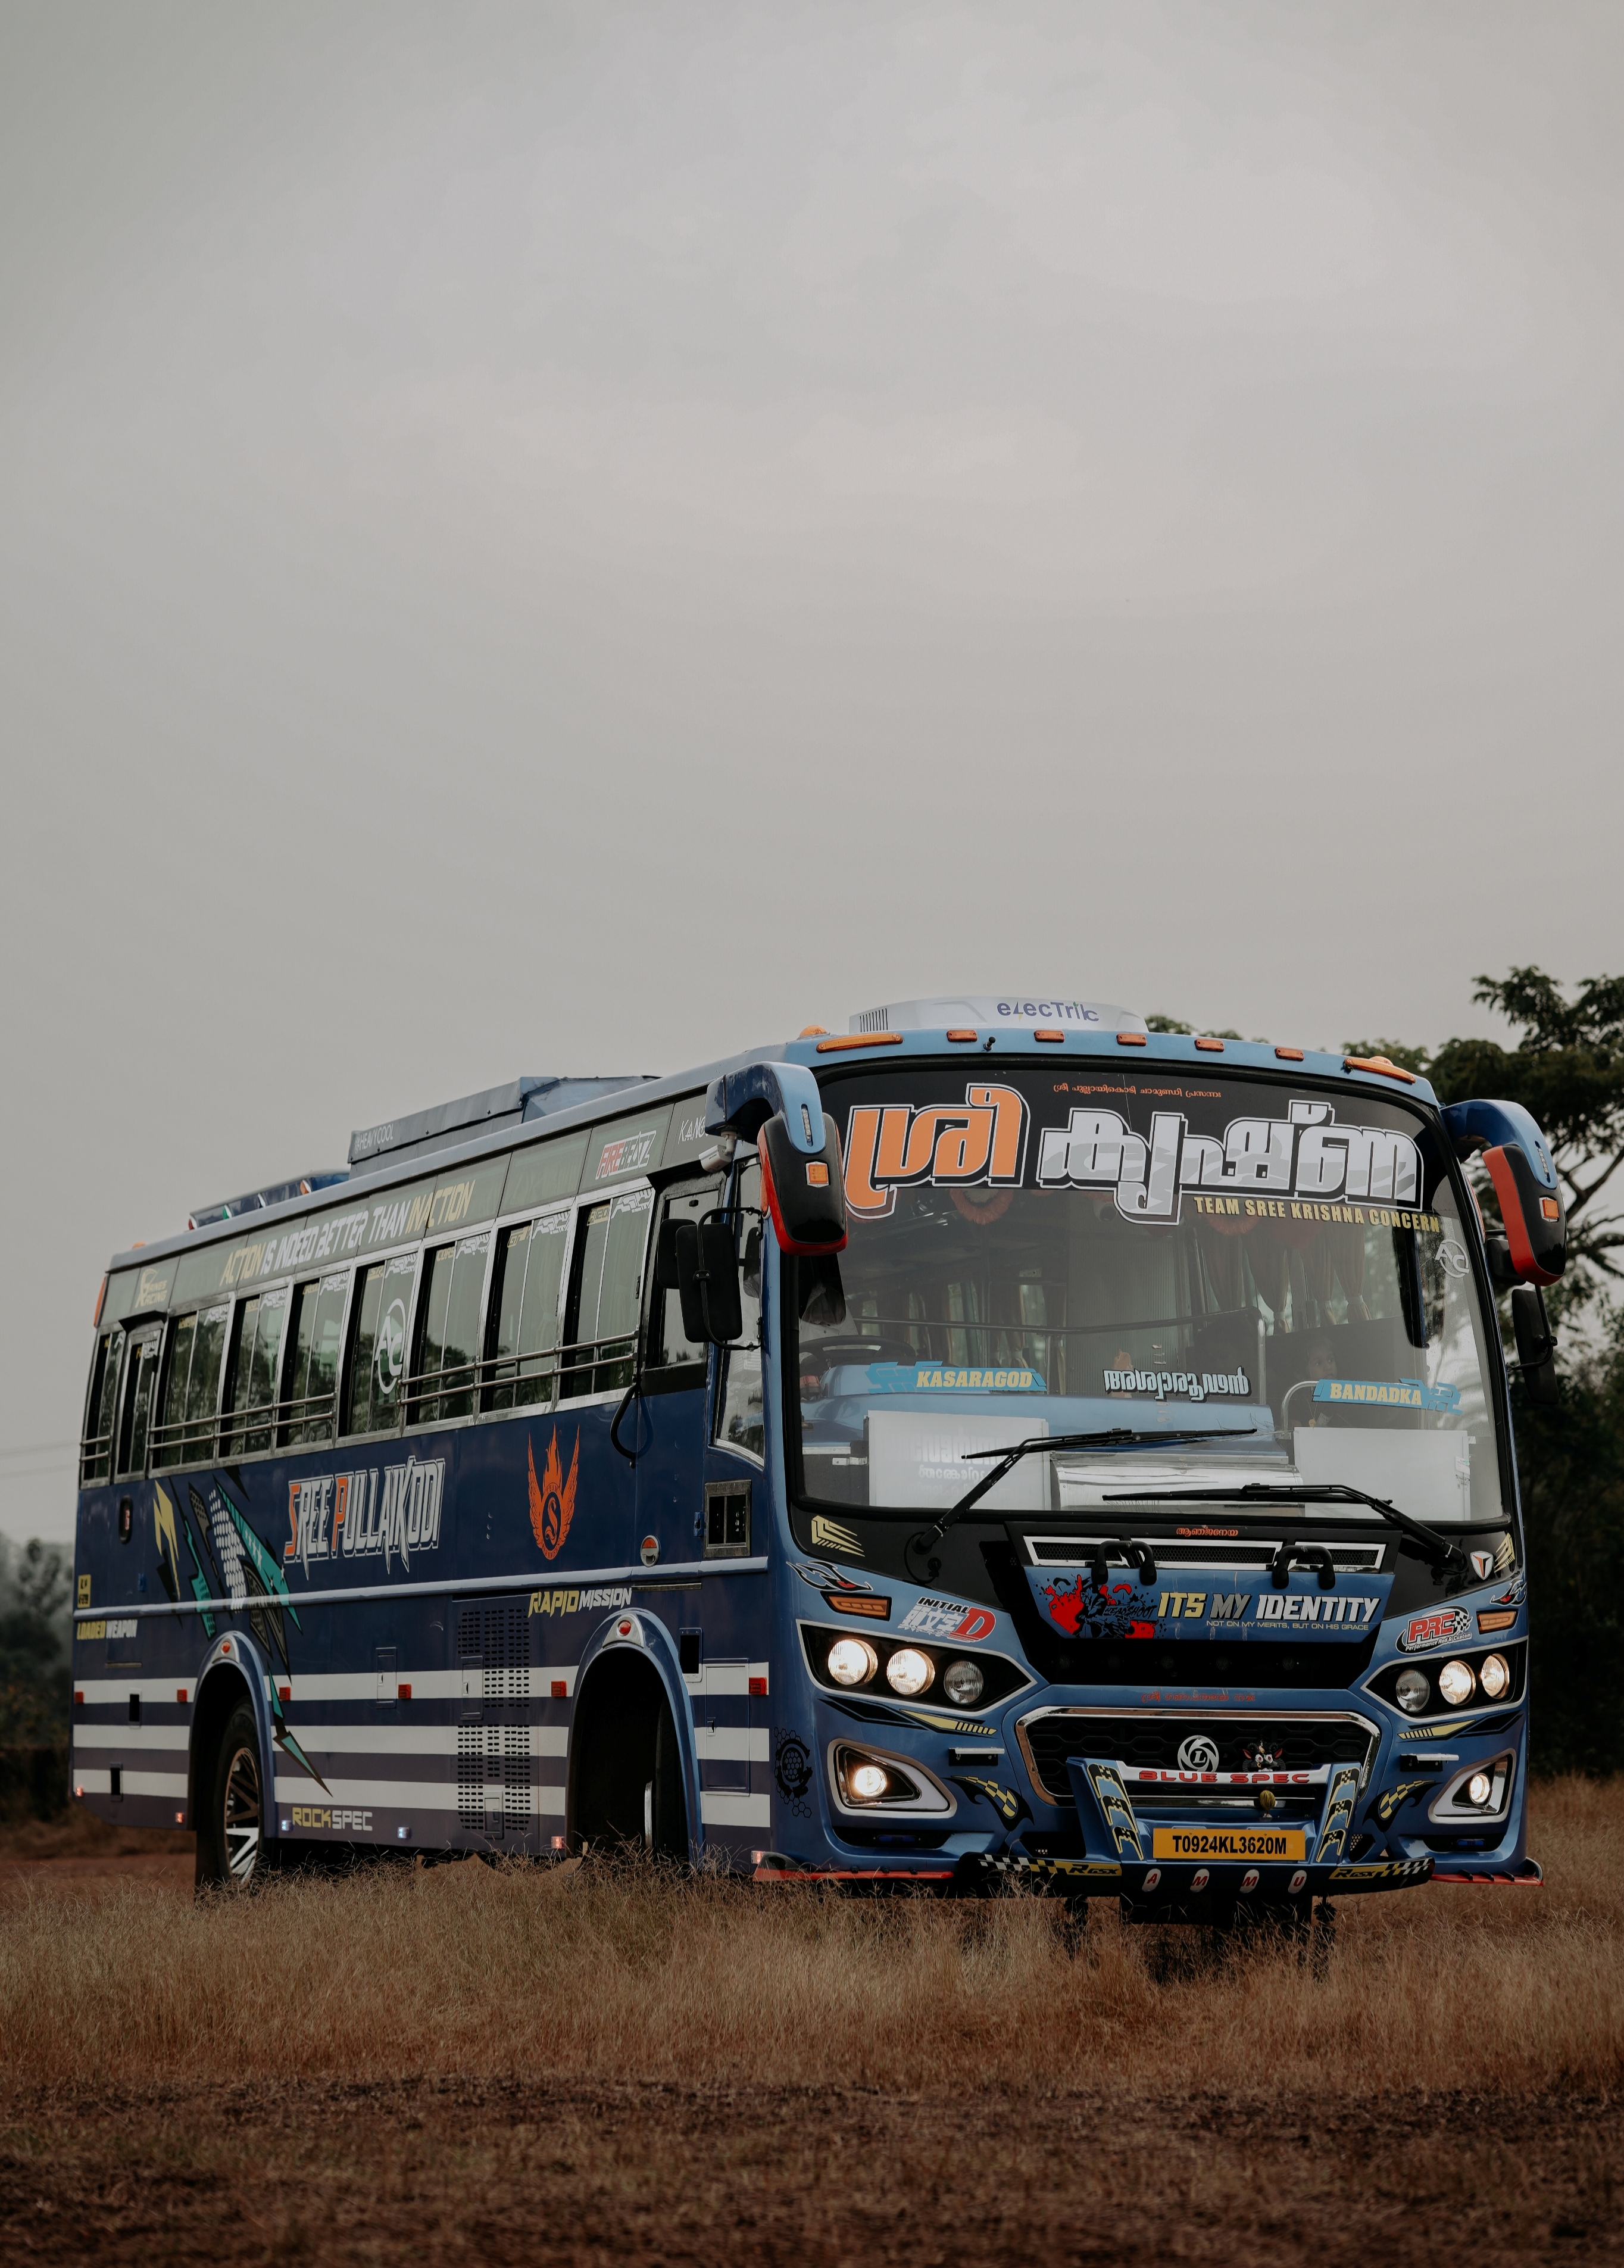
251, 1389
377, 1365
167, 1433
522, 1359
601, 1327
672, 1358
184, 1434
448, 1328
96, 1461
739, 1420
140, 1367
312, 1381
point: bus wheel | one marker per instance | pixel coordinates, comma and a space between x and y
235, 1818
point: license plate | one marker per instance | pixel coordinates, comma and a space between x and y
1284, 1843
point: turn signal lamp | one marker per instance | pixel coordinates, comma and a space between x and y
1495, 1618
866, 1603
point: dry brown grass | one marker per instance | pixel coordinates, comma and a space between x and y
627, 1977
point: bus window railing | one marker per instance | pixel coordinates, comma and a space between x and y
491, 1384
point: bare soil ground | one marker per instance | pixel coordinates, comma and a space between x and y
463, 2063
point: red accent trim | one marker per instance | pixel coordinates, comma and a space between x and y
769, 1198
1511, 1213
284, 1693
403, 1692
560, 1689
181, 1696
78, 1699
758, 1685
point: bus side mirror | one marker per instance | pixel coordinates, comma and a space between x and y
1521, 1168
804, 1189
707, 1268
1536, 1345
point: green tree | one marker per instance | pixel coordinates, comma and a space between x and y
34, 1585
1568, 1069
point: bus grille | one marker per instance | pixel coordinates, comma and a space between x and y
1149, 1742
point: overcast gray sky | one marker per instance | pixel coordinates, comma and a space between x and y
562, 538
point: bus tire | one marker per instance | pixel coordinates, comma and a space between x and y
231, 1841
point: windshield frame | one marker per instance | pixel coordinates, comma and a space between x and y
1493, 1358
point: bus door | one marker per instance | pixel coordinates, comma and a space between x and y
668, 1426
732, 1704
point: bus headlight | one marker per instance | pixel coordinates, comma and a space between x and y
852, 1661
1495, 1676
962, 1682
1412, 1693
908, 1671
1456, 1683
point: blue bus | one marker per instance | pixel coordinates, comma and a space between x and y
999, 1441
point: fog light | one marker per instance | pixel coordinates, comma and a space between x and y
852, 1661
962, 1682
868, 1783
1480, 1787
1456, 1683
909, 1671
1412, 1692
1495, 1674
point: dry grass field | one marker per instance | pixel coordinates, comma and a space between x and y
458, 2062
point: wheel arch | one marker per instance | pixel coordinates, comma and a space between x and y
232, 1672
614, 1663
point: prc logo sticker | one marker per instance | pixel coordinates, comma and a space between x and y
552, 1497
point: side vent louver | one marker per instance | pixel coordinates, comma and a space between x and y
492, 1733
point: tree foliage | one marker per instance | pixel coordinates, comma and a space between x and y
34, 1641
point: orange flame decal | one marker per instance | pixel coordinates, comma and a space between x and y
552, 1497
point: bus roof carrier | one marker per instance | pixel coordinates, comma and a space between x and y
995, 1012
274, 1193
449, 1123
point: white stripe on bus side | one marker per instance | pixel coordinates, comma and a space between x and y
733, 1744
718, 1808
99, 1781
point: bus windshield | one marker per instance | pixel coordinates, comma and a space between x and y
1280, 1265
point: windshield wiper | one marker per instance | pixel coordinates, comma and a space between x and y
1118, 1437
1438, 1548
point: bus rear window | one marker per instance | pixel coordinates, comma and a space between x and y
96, 1457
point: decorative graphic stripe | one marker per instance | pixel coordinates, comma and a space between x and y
547, 1802
449, 1587
718, 1808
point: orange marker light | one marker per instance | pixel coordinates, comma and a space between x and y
1289, 1054
1496, 1619
181, 1697
758, 1685
1549, 1207
560, 1689
961, 1035
817, 1175
1048, 1036
1378, 1064
1213, 1047
859, 1040
859, 1603
1130, 1039
812, 1032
